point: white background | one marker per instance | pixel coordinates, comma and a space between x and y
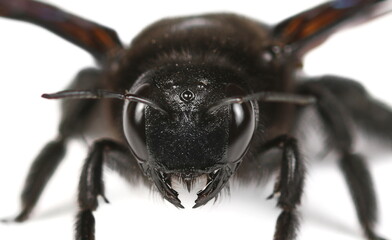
34, 61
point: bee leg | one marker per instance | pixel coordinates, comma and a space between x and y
369, 114
359, 180
91, 185
40, 172
76, 112
337, 120
289, 187
45, 164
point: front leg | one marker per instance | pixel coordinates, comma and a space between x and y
288, 189
91, 186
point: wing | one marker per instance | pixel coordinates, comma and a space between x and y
96, 39
308, 29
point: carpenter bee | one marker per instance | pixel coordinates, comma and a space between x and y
174, 131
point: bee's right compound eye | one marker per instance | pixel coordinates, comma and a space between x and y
134, 124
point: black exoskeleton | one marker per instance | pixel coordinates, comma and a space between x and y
205, 97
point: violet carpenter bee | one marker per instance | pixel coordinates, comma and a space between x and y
160, 174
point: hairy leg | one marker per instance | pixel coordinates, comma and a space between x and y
338, 112
45, 164
91, 184
40, 172
371, 115
288, 189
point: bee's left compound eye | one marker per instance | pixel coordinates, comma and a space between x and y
242, 125
134, 123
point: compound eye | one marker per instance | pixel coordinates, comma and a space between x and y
242, 125
134, 124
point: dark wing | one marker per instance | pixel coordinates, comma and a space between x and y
96, 39
310, 28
